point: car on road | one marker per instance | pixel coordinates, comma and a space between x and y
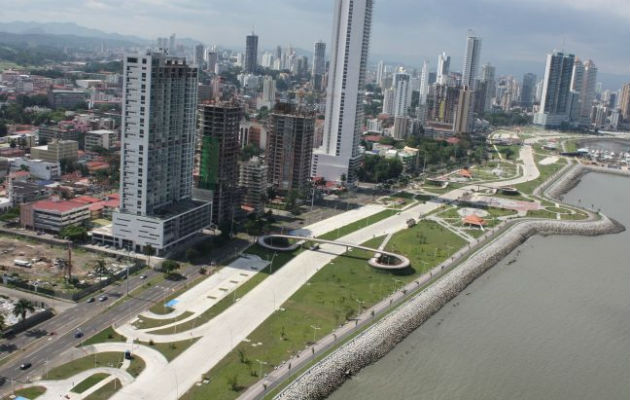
102, 298
90, 300
143, 277
78, 334
25, 365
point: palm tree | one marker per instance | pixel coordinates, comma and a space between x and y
148, 251
22, 307
100, 268
2, 322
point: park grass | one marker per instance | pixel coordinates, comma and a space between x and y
148, 323
356, 225
106, 391
107, 335
333, 295
89, 382
546, 171
542, 213
136, 366
30, 393
171, 350
65, 371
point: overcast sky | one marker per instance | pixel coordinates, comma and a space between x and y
516, 33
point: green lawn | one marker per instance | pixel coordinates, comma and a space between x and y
106, 391
107, 359
171, 350
541, 214
136, 366
147, 323
30, 393
89, 382
334, 294
356, 225
105, 336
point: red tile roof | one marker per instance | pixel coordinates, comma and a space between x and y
60, 206
473, 219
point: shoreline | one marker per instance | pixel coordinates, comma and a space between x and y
323, 378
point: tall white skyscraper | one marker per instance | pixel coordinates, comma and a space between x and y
424, 82
555, 103
388, 101
319, 58
380, 72
443, 68
587, 92
487, 75
339, 155
470, 70
157, 156
401, 94
199, 56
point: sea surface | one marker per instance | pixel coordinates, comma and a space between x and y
551, 321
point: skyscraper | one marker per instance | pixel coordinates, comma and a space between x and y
401, 94
339, 155
199, 53
253, 182
319, 58
624, 102
528, 89
443, 68
587, 92
488, 72
212, 59
171, 44
388, 101
470, 70
218, 136
380, 73
251, 54
290, 147
463, 115
555, 104
424, 82
157, 156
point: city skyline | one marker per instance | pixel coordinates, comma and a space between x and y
601, 33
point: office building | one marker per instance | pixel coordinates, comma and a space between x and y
250, 64
212, 60
624, 102
199, 56
100, 138
380, 73
319, 58
470, 71
587, 92
53, 216
290, 147
443, 68
441, 107
388, 101
67, 99
528, 88
157, 155
464, 114
555, 106
339, 156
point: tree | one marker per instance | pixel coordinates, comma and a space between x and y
75, 233
148, 251
22, 307
100, 269
169, 266
2, 322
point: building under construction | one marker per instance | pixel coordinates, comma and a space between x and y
218, 152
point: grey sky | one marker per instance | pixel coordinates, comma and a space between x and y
516, 33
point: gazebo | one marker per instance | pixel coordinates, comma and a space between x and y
474, 220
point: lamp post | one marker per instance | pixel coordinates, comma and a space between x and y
260, 364
315, 329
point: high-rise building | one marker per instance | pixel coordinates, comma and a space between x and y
253, 182
380, 73
218, 144
338, 157
401, 94
441, 106
488, 76
528, 89
443, 68
319, 58
577, 75
171, 44
463, 121
587, 92
212, 59
268, 98
267, 60
424, 82
624, 102
555, 105
388, 101
470, 70
250, 64
157, 155
290, 147
199, 56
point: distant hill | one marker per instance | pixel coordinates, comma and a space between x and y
66, 28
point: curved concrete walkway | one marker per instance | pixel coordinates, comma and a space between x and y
58, 389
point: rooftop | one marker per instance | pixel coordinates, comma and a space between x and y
60, 206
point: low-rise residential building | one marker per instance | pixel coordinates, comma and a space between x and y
37, 168
52, 215
103, 138
60, 98
56, 151
24, 192
64, 131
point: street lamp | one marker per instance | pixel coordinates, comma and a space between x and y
260, 364
315, 329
